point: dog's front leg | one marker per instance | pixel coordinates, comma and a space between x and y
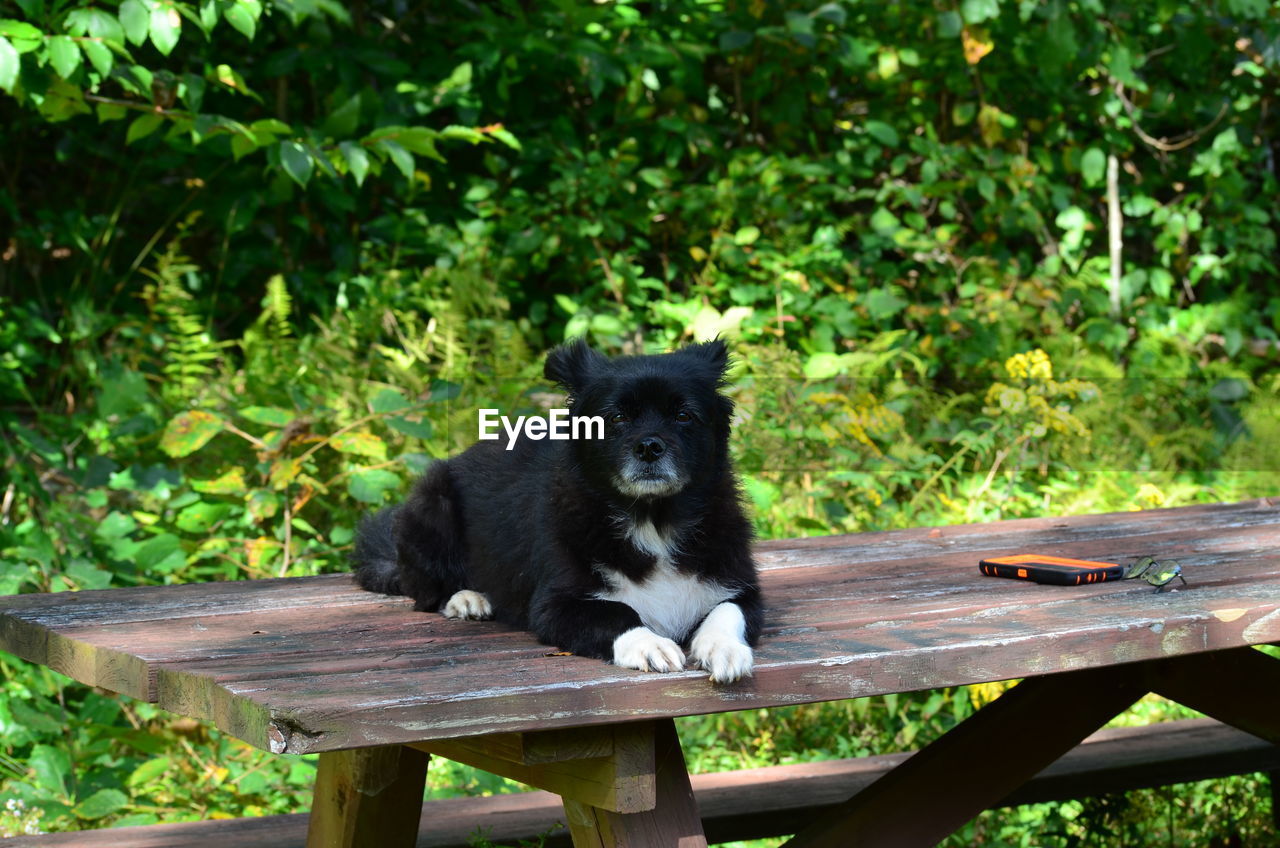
608, 630
722, 642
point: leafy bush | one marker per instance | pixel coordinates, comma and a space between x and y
262, 260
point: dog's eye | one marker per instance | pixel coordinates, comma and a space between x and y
618, 418
683, 416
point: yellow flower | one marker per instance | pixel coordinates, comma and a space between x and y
1033, 366
1149, 496
1039, 365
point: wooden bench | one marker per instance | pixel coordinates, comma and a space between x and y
754, 803
314, 665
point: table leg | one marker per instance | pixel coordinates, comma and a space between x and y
673, 823
978, 762
1240, 687
367, 797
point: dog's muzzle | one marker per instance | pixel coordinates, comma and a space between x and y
649, 471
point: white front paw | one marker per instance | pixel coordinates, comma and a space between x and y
468, 606
645, 650
720, 645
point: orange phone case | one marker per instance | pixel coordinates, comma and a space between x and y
1059, 571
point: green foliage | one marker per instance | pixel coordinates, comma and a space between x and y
93, 759
63, 61
261, 261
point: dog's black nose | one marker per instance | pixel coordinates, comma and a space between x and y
649, 449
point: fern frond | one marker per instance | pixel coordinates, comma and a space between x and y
188, 351
277, 308
268, 344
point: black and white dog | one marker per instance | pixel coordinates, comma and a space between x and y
632, 547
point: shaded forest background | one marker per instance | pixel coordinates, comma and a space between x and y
262, 260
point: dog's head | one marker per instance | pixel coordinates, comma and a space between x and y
666, 424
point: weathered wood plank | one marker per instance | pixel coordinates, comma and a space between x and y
539, 747
368, 797
621, 780
143, 603
924, 541
380, 706
674, 823
1240, 688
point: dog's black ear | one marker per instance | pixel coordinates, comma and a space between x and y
572, 364
714, 353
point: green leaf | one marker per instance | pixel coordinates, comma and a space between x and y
977, 11
357, 160
389, 400
322, 160
229, 483
820, 366
96, 23
52, 766
419, 140
273, 126
138, 79
240, 17
166, 26
453, 132
143, 126
568, 304
200, 516
884, 303
504, 135
136, 21
160, 554
187, 432
231, 78
296, 161
360, 442
148, 771
242, 146
64, 55
99, 56
883, 133
1093, 164
208, 15
371, 485
987, 188
747, 235
262, 504
104, 802
21, 35
415, 429
401, 158
192, 93
33, 719
885, 222
459, 78
86, 575
272, 416
116, 525
343, 120
9, 65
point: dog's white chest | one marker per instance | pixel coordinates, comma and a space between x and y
669, 602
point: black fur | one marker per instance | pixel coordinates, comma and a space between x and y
530, 527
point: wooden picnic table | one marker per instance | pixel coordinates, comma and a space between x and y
303, 665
